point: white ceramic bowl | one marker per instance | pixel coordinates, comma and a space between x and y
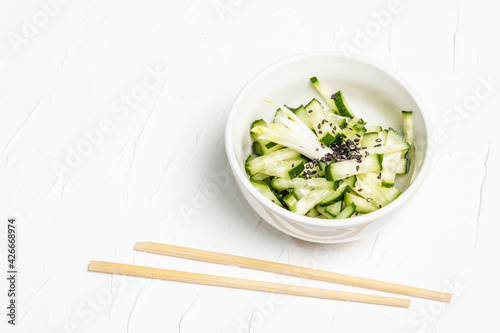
373, 92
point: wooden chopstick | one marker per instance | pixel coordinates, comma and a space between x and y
221, 281
303, 272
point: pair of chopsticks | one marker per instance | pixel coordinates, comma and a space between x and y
267, 266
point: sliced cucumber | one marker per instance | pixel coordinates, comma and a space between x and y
391, 158
403, 166
394, 137
262, 147
321, 166
335, 196
341, 104
258, 163
309, 201
347, 212
393, 148
337, 124
320, 123
266, 191
369, 187
373, 128
408, 125
344, 169
281, 184
313, 213
259, 149
314, 169
325, 93
299, 193
355, 128
372, 139
290, 200
322, 211
280, 113
390, 169
302, 114
258, 122
348, 182
363, 205
284, 169
261, 177
334, 209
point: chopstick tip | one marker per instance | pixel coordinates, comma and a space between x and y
141, 246
407, 303
97, 266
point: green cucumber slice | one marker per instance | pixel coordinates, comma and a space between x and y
363, 205
347, 212
325, 93
344, 169
266, 191
341, 104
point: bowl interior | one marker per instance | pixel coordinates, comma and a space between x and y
372, 93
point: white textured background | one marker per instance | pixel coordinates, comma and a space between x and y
147, 178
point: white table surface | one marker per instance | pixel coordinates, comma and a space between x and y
72, 69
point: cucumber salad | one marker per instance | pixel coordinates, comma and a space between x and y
324, 162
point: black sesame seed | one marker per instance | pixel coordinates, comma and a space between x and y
358, 135
356, 140
310, 111
360, 190
357, 167
293, 164
379, 206
319, 126
379, 145
320, 132
378, 177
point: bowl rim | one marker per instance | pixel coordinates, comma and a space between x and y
352, 221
